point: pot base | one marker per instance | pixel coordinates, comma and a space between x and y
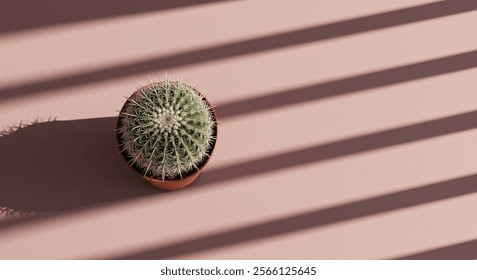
171, 185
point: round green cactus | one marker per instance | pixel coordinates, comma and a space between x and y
166, 130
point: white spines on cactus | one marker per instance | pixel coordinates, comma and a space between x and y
166, 129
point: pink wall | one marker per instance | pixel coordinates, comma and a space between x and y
347, 130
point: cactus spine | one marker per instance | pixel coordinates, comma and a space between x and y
166, 130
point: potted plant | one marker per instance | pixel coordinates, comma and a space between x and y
167, 131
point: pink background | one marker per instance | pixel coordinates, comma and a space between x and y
348, 129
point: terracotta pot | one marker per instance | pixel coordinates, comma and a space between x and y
170, 185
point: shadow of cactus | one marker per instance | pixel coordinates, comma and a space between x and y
61, 165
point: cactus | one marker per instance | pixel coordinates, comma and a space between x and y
166, 130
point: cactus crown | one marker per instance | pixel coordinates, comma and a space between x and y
166, 130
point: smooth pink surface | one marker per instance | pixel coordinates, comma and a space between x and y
346, 131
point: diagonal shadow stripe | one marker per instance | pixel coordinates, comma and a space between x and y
27, 14
275, 41
366, 207
461, 251
391, 76
342, 148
